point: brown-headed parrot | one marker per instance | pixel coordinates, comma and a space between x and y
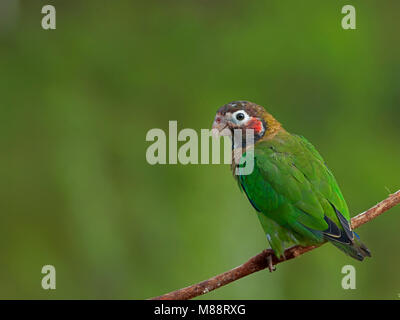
296, 196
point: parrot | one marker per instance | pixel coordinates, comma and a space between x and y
294, 193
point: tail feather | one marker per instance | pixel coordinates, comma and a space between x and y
345, 239
356, 250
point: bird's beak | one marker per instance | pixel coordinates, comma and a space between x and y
220, 126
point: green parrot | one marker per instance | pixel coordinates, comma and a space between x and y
295, 195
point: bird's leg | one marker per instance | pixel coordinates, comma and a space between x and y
271, 267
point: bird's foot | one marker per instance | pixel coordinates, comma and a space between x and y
271, 266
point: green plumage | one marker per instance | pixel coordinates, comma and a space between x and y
297, 198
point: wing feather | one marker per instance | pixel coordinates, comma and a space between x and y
292, 186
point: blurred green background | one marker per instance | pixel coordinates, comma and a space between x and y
76, 104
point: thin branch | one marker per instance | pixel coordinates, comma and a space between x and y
260, 262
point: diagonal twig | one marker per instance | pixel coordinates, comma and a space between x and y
260, 261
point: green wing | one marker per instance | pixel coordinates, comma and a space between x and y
296, 196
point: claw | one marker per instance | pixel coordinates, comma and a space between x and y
271, 266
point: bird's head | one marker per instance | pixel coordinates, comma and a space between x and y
245, 115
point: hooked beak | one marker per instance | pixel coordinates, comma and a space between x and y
220, 126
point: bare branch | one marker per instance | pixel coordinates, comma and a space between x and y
260, 262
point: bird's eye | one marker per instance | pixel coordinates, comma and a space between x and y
240, 116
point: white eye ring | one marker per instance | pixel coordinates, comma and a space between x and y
240, 117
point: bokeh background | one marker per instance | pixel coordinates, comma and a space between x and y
76, 104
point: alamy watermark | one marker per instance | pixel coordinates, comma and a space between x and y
49, 19
49, 280
196, 150
349, 280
